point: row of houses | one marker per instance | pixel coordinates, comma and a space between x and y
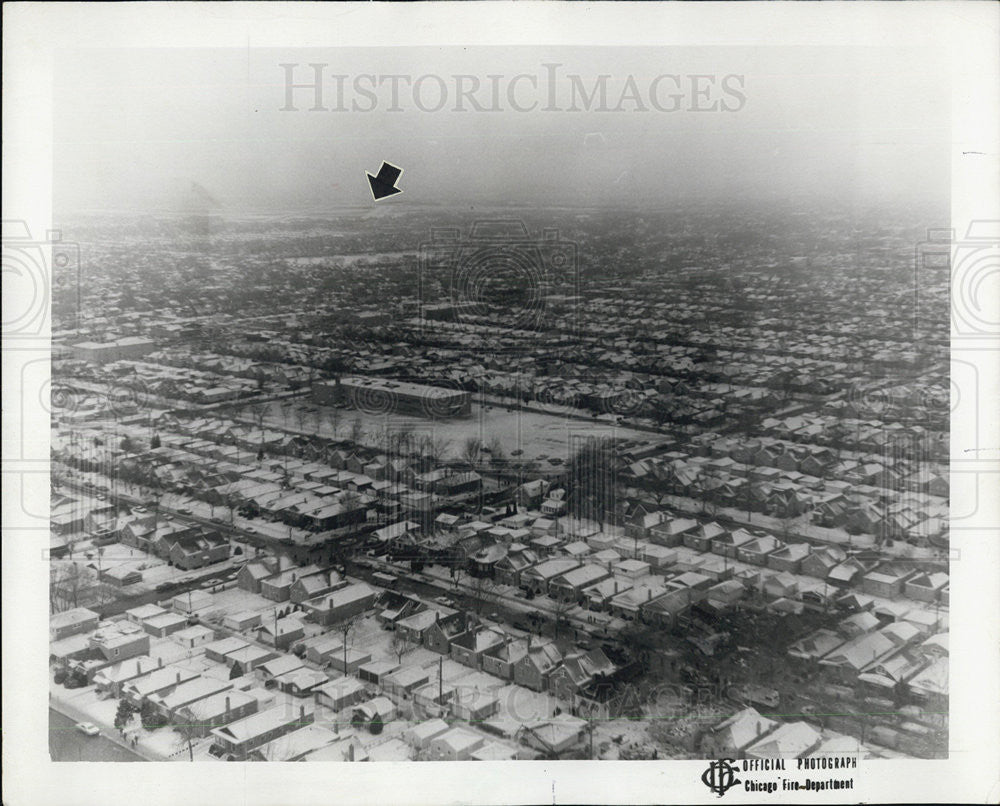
864, 650
867, 498
749, 735
185, 545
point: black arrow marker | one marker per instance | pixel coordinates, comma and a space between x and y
385, 183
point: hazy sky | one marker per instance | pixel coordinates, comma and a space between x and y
135, 128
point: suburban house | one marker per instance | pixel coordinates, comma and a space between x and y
413, 627
158, 681
790, 740
730, 737
72, 622
278, 587
194, 636
404, 682
340, 693
500, 660
672, 532
780, 585
508, 570
847, 661
788, 557
455, 744
886, 581
725, 594
301, 682
241, 737
421, 734
313, 585
469, 647
249, 657
554, 737
757, 551
473, 705
165, 624
599, 596
534, 669
217, 710
628, 603
139, 614
656, 556
639, 526
569, 586
276, 667
815, 645
728, 544
700, 538
111, 679
377, 708
438, 636
281, 634
340, 604
821, 561
321, 650
665, 610
243, 620
538, 577
252, 574
120, 642
926, 587
192, 601
121, 575
187, 694
217, 650
392, 607
482, 562
199, 550
577, 671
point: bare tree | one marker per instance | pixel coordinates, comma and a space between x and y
407, 439
497, 454
484, 592
471, 451
333, 417
357, 431
301, 415
71, 585
401, 644
258, 411
345, 629
437, 448
561, 614
187, 730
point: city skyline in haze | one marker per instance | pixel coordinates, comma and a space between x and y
137, 130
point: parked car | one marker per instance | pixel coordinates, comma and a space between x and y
89, 728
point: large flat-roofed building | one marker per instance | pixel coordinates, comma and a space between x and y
100, 352
382, 396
